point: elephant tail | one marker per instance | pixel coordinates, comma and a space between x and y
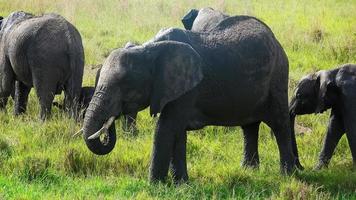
76, 64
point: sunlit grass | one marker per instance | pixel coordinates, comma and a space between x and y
41, 159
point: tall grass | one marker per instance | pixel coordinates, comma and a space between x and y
40, 160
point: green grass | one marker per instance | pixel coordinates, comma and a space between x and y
41, 161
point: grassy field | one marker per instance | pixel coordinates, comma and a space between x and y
41, 161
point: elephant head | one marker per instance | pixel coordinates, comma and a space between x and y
315, 93
189, 18
1, 18
205, 19
132, 79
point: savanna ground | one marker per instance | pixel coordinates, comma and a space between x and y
41, 160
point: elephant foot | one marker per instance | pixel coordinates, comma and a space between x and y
19, 111
180, 180
157, 175
298, 164
288, 167
157, 179
252, 164
3, 103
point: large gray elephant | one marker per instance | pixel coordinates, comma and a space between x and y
335, 89
205, 20
202, 20
235, 75
44, 52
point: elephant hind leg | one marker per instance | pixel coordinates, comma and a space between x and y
45, 90
251, 157
7, 81
332, 138
72, 91
349, 111
277, 118
21, 97
281, 131
179, 158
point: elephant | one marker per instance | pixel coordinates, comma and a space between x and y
44, 52
333, 89
234, 75
203, 20
86, 94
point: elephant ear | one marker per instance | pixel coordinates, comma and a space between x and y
177, 70
324, 86
1, 18
189, 18
129, 45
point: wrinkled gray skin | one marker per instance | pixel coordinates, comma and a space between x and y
200, 21
44, 52
203, 20
234, 75
128, 120
336, 90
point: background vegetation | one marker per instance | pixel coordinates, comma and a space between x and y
41, 160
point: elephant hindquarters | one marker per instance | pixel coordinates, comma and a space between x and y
277, 114
7, 81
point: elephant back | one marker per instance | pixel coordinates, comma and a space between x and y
12, 20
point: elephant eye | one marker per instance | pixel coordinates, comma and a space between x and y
299, 96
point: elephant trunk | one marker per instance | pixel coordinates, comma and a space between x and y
99, 128
293, 139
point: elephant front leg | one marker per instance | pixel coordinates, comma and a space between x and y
162, 149
179, 159
332, 138
21, 97
45, 93
251, 158
170, 145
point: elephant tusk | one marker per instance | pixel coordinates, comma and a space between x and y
97, 134
109, 122
78, 133
105, 128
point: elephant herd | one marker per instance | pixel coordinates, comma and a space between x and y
222, 70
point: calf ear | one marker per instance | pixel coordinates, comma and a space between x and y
325, 87
189, 18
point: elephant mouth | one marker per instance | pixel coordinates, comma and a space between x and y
102, 133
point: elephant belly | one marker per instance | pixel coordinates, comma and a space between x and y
231, 106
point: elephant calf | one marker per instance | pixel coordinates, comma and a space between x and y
44, 52
335, 89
